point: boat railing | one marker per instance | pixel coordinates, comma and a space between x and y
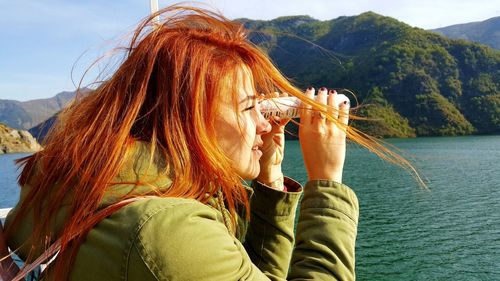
3, 213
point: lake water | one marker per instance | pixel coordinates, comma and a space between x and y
450, 232
9, 190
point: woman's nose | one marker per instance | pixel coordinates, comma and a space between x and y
263, 125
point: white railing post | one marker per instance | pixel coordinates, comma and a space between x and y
154, 8
3, 213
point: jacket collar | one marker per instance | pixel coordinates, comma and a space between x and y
142, 173
145, 173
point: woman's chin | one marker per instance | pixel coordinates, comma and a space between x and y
251, 173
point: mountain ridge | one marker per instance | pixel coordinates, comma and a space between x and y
486, 32
417, 82
24, 115
424, 84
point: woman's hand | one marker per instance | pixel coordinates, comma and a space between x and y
323, 142
273, 152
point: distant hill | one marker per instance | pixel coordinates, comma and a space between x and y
411, 81
41, 130
25, 115
414, 81
485, 32
15, 141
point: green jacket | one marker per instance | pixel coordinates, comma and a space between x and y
183, 239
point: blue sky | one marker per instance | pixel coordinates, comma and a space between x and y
43, 40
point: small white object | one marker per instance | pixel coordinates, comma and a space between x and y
289, 107
154, 8
4, 212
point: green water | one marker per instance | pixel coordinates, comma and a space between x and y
451, 232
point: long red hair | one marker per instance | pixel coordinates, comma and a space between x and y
166, 92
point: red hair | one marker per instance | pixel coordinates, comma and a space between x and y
166, 93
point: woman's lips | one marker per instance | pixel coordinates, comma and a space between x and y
257, 149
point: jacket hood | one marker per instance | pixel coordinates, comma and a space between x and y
141, 173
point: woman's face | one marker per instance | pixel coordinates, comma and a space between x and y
239, 133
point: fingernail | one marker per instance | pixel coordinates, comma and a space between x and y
310, 88
323, 89
332, 91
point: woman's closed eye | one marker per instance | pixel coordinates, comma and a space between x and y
249, 108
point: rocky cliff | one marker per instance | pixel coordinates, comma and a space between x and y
14, 141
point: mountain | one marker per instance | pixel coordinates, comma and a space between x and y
25, 115
485, 32
41, 130
15, 141
408, 80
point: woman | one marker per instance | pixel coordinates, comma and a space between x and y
180, 121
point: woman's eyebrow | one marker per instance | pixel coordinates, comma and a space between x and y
248, 98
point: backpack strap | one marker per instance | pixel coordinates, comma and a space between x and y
56, 246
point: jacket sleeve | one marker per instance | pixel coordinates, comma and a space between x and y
326, 233
189, 241
270, 234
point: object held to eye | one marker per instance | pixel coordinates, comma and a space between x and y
289, 107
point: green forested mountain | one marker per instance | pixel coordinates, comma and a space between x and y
485, 32
407, 80
414, 82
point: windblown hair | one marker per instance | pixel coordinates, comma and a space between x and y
167, 93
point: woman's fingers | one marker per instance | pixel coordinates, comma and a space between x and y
321, 140
283, 121
278, 124
344, 113
309, 116
318, 118
333, 107
322, 95
305, 109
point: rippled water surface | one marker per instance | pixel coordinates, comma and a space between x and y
9, 191
450, 232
